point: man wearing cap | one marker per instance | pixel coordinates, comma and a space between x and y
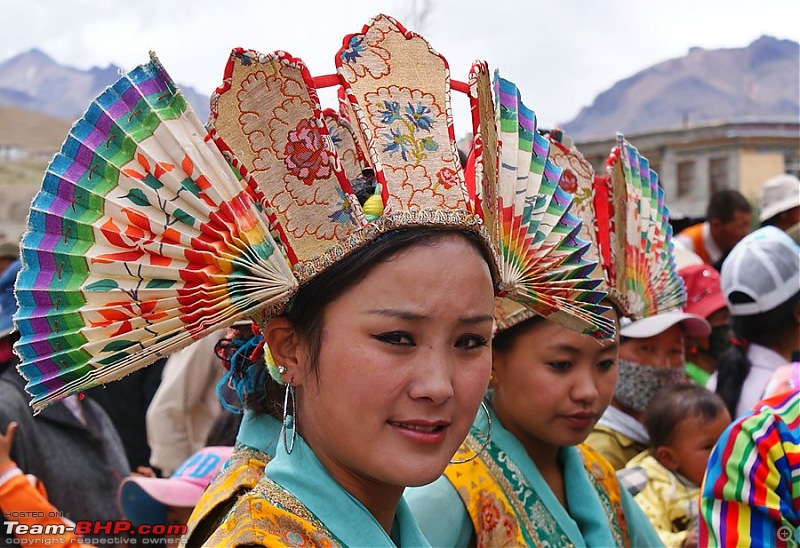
779, 198
705, 299
651, 356
761, 283
728, 218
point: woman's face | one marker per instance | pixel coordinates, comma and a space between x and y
552, 384
663, 350
405, 358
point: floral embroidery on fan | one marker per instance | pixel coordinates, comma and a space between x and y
410, 127
446, 177
363, 55
306, 156
342, 215
568, 182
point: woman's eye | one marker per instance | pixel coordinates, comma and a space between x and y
605, 365
397, 338
469, 342
560, 366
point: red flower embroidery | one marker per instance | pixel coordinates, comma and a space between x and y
568, 182
510, 528
490, 513
447, 177
306, 156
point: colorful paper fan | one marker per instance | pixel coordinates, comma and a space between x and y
141, 239
640, 235
542, 258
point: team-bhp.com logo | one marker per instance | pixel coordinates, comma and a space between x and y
83, 527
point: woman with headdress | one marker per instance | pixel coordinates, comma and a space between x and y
637, 240
524, 476
377, 311
760, 282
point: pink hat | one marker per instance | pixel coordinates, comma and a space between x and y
703, 291
145, 500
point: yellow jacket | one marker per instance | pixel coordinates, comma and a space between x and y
616, 448
669, 500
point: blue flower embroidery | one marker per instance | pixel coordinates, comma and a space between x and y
390, 112
355, 49
403, 137
343, 215
419, 116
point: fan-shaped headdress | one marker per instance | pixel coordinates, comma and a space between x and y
626, 220
143, 238
634, 231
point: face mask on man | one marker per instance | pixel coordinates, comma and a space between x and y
637, 383
719, 341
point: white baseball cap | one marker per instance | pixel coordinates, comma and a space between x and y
765, 268
778, 194
693, 325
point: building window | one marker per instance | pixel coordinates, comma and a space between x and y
685, 178
718, 174
792, 163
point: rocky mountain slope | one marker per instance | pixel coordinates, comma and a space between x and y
758, 82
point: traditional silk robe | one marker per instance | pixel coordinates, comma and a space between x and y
505, 501
255, 447
298, 503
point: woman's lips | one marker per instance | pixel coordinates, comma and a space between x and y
421, 431
584, 419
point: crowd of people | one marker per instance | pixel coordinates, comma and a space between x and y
406, 393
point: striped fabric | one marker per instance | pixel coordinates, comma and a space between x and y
751, 492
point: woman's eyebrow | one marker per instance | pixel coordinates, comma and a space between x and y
416, 316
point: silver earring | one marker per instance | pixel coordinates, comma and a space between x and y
289, 420
281, 369
488, 437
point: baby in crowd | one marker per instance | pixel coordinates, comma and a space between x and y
684, 421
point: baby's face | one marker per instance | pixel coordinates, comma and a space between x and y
692, 443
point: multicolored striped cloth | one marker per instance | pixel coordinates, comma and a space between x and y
751, 492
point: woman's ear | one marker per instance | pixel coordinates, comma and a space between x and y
287, 348
497, 366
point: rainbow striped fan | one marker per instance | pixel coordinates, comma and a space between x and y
641, 235
141, 240
527, 212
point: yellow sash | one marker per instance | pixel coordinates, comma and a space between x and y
270, 516
505, 509
242, 472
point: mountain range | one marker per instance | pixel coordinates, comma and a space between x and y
34, 81
758, 82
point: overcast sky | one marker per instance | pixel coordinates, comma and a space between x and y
561, 53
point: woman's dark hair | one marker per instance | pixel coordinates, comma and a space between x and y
307, 306
765, 329
504, 340
675, 403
